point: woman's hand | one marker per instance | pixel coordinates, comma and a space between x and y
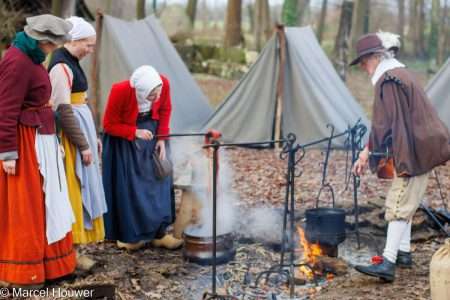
87, 157
161, 148
360, 165
144, 134
9, 166
99, 147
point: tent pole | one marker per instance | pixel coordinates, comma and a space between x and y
96, 68
279, 106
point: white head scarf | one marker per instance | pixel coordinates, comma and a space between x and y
81, 28
144, 79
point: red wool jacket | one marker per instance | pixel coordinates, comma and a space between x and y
122, 110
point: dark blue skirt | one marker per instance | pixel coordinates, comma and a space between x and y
139, 205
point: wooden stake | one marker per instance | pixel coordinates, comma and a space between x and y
280, 84
95, 70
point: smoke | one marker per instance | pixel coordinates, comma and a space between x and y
262, 224
194, 170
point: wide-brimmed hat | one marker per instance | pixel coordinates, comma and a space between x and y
48, 28
367, 44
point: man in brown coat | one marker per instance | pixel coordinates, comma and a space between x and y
406, 126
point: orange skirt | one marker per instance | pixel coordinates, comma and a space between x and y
25, 256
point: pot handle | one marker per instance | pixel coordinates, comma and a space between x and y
330, 188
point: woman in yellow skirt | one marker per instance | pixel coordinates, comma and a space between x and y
78, 135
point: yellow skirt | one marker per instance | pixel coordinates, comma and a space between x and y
80, 234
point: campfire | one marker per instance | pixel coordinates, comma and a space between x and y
317, 260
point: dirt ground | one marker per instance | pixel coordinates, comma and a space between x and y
259, 181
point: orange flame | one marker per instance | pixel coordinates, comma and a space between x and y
310, 254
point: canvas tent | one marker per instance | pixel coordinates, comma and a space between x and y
124, 46
313, 95
439, 92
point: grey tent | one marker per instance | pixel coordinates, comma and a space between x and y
313, 95
124, 46
439, 92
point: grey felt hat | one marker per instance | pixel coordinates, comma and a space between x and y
48, 28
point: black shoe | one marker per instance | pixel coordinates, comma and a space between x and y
384, 270
404, 259
70, 278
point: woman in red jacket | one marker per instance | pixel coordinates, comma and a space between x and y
139, 204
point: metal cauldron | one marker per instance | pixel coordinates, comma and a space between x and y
325, 226
199, 249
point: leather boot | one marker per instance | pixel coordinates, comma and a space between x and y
404, 259
384, 270
190, 208
84, 263
4, 284
168, 242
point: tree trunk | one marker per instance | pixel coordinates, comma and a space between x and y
434, 32
63, 8
401, 21
262, 23
360, 22
57, 8
251, 10
233, 31
323, 15
268, 26
289, 13
443, 35
412, 30
421, 29
341, 45
191, 10
140, 9
303, 7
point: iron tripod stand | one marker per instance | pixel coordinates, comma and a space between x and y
284, 269
215, 145
213, 295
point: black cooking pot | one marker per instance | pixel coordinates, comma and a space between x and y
325, 226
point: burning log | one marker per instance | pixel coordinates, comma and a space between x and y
333, 265
319, 260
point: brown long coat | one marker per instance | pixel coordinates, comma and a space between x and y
405, 121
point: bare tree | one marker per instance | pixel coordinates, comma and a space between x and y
434, 32
360, 20
412, 28
191, 10
140, 9
303, 8
233, 30
443, 35
341, 45
251, 15
401, 19
421, 28
262, 24
63, 8
323, 15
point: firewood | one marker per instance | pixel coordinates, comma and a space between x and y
326, 264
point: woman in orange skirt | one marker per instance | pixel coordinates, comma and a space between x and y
35, 212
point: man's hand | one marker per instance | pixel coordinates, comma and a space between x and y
361, 164
144, 134
86, 156
9, 166
161, 148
